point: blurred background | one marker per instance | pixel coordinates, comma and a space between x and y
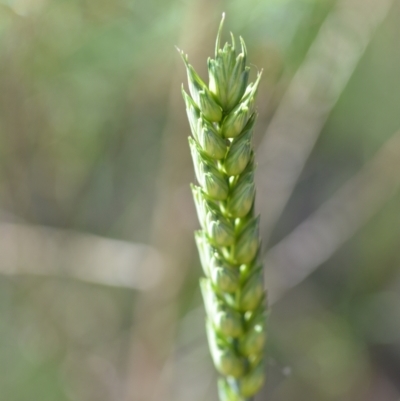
99, 297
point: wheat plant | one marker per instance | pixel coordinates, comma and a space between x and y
222, 116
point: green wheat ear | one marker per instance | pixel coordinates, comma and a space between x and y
221, 117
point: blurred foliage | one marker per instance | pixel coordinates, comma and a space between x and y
87, 93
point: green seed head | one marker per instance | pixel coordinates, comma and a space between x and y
199, 203
210, 141
220, 231
239, 153
225, 321
206, 251
241, 199
196, 84
228, 323
227, 280
252, 382
221, 117
225, 359
235, 121
192, 111
253, 341
228, 73
212, 181
252, 293
226, 393
214, 184
248, 242
209, 107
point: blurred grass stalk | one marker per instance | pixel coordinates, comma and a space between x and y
44, 251
312, 243
309, 99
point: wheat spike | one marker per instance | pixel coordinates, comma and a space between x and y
221, 116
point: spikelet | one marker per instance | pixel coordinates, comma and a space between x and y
221, 117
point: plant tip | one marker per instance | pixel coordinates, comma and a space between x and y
218, 41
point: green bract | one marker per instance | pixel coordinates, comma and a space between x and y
221, 117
